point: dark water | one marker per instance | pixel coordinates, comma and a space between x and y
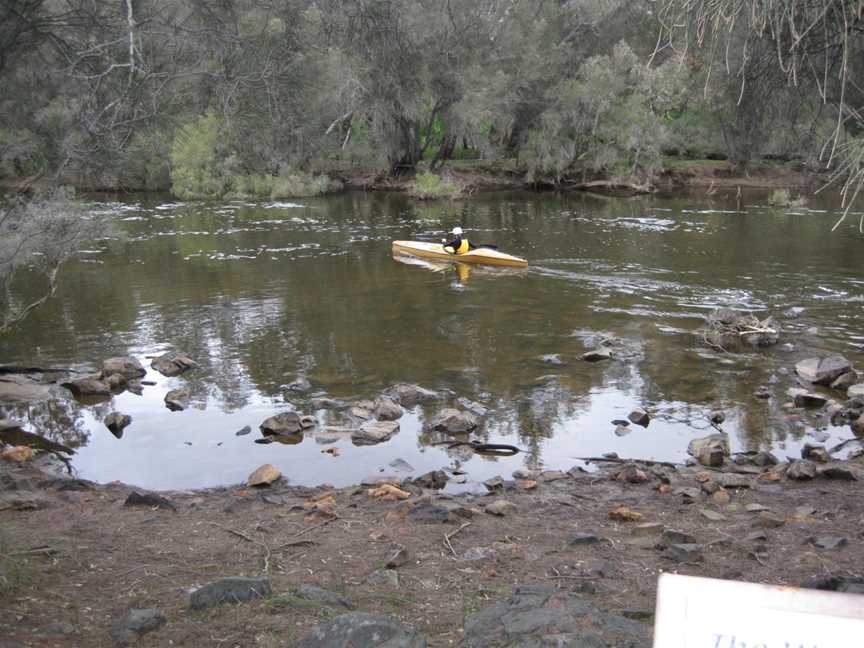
262, 294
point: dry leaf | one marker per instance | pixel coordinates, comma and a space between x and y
526, 484
770, 475
624, 514
388, 492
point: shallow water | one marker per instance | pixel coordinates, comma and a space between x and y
261, 294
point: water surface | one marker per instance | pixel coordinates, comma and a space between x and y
261, 294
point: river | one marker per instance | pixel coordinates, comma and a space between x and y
262, 294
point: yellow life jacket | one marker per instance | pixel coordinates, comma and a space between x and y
463, 247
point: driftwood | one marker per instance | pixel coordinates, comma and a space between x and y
729, 330
619, 460
6, 369
611, 184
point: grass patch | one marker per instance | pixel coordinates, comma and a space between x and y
678, 164
429, 186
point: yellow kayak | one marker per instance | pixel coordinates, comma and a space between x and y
483, 255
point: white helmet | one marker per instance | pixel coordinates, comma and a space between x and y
457, 231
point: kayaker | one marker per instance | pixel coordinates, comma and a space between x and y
458, 245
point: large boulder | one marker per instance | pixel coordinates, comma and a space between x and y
177, 400
173, 363
362, 630
126, 366
372, 432
387, 410
539, 615
823, 371
410, 395
454, 421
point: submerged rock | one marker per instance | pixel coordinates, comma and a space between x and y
87, 387
597, 355
372, 432
410, 395
454, 421
173, 364
286, 423
126, 366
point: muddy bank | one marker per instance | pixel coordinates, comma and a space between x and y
77, 557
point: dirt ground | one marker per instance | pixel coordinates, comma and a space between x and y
73, 557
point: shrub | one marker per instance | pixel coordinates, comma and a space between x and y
197, 157
782, 198
429, 186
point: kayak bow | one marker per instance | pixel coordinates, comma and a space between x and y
483, 255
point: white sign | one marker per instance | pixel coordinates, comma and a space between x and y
708, 613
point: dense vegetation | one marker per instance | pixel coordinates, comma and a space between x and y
262, 97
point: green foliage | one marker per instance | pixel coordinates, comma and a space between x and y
429, 186
198, 155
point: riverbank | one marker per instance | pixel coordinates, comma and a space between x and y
480, 175
78, 556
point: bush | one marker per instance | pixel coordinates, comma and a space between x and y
428, 186
782, 198
197, 158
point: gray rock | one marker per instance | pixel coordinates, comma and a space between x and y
362, 630
578, 539
675, 537
434, 479
848, 584
284, 424
856, 391
714, 516
116, 382
387, 577
117, 422
177, 400
372, 432
24, 501
471, 406
804, 398
410, 395
537, 616
429, 514
136, 624
685, 553
710, 450
828, 542
299, 386
553, 359
837, 471
815, 453
766, 520
640, 417
173, 364
386, 410
477, 554
323, 403
717, 417
87, 387
397, 556
762, 392
764, 458
597, 355
243, 431
846, 380
823, 371
500, 507
126, 366
319, 595
756, 536
857, 426
236, 589
149, 499
801, 470
733, 480
453, 421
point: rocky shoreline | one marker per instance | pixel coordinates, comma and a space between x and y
539, 555
101, 565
